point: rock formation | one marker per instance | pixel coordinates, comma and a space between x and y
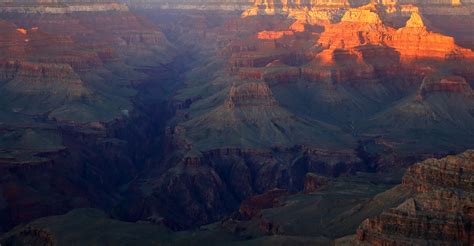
270, 35
440, 212
451, 84
250, 94
252, 207
314, 182
363, 26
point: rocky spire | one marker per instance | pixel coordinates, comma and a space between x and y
415, 21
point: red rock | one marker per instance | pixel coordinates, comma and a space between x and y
253, 205
271, 35
22, 31
362, 26
298, 26
251, 73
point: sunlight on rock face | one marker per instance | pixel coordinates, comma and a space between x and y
298, 26
415, 20
361, 15
22, 31
269, 35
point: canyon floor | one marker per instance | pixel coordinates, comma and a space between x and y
266, 123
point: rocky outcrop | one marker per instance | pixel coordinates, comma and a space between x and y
314, 182
40, 73
271, 35
308, 11
252, 206
440, 212
450, 84
250, 94
415, 41
363, 26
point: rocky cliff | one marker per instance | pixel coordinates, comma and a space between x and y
440, 212
363, 26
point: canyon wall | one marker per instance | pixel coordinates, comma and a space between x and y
69, 120
440, 212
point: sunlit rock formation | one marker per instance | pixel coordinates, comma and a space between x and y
363, 26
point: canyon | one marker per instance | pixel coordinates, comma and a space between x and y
251, 122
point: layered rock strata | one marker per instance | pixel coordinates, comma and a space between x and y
440, 212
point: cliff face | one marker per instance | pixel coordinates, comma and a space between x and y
363, 26
316, 12
440, 212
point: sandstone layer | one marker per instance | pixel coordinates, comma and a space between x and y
440, 212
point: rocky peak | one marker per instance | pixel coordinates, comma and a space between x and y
364, 14
415, 21
363, 27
